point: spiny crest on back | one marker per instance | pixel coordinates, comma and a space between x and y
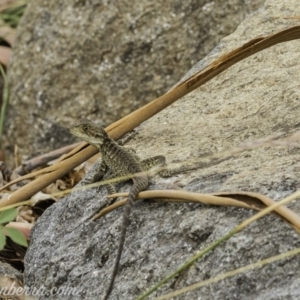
89, 132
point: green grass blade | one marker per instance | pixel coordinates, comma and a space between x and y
4, 101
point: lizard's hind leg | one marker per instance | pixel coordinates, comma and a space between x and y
156, 164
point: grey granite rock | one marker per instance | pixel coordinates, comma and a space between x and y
10, 282
252, 100
102, 60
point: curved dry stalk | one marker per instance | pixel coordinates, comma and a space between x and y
172, 196
196, 80
286, 213
53, 172
129, 122
238, 199
78, 148
43, 159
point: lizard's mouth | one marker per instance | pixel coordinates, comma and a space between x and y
92, 140
89, 139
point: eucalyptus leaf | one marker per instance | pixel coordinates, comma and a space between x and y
16, 235
8, 215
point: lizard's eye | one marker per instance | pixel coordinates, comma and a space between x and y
99, 136
84, 127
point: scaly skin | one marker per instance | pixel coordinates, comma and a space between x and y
121, 162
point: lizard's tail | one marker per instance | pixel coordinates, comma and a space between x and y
140, 184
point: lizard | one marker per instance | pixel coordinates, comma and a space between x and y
120, 162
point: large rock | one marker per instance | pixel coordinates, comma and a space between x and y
92, 59
254, 99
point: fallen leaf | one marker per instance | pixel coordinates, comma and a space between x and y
25, 228
8, 34
5, 53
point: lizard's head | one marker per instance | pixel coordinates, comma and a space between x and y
89, 132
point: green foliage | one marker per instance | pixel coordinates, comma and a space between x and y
4, 101
12, 16
17, 236
8, 215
